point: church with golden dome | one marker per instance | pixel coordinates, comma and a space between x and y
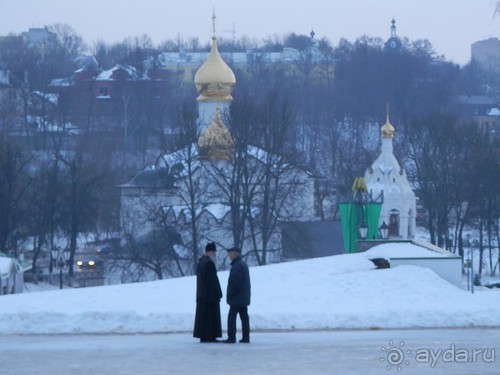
386, 178
208, 191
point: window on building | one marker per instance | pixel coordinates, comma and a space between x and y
394, 223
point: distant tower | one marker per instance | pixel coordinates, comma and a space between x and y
386, 177
314, 42
214, 81
393, 43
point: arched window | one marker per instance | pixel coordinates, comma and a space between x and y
394, 223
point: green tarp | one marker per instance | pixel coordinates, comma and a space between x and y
350, 222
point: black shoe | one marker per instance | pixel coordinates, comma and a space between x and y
229, 341
245, 341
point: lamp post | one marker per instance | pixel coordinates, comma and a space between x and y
384, 231
470, 265
61, 261
363, 230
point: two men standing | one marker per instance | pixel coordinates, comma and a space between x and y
207, 325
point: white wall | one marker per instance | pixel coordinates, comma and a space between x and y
448, 268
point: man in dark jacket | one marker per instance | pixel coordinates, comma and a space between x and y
207, 323
238, 297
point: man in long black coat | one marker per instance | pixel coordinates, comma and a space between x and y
238, 297
207, 323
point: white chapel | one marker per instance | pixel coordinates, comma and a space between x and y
387, 178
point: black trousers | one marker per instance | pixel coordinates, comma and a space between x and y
245, 322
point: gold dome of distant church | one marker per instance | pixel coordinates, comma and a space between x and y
387, 130
214, 79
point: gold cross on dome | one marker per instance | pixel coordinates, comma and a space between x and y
213, 22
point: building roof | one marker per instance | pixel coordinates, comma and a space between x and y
112, 74
476, 100
152, 178
4, 78
5, 266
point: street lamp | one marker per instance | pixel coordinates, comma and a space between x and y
363, 230
384, 231
61, 261
470, 265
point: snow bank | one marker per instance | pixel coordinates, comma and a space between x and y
338, 292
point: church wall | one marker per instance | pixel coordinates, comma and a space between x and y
140, 208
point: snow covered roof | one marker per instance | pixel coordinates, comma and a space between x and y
50, 97
5, 266
152, 178
62, 82
132, 73
87, 62
493, 112
218, 210
191, 152
476, 100
403, 250
4, 78
178, 211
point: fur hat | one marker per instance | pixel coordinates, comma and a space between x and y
211, 247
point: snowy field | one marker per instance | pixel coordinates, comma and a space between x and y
337, 292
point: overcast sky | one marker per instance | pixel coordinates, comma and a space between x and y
450, 25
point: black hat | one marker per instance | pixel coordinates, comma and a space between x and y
211, 247
234, 249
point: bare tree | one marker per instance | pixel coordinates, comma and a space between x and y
281, 183
438, 148
71, 43
14, 187
84, 170
189, 181
46, 210
154, 251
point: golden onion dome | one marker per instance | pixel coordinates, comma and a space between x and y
216, 142
214, 79
387, 130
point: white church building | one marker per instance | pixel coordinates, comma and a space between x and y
387, 178
193, 182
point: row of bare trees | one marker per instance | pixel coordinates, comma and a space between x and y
257, 185
338, 96
50, 199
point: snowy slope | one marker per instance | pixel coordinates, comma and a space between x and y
338, 292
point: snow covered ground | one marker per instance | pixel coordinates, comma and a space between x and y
337, 292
